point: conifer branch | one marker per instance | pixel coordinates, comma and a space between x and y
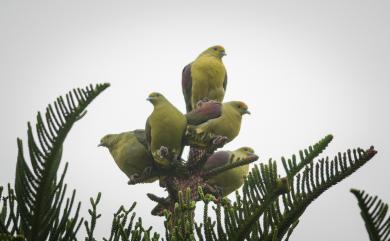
269, 208
374, 212
38, 195
306, 156
247, 226
316, 179
90, 226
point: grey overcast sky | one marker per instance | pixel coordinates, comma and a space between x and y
305, 68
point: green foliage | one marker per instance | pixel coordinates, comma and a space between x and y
180, 223
268, 208
311, 183
40, 213
123, 226
374, 212
8, 213
90, 227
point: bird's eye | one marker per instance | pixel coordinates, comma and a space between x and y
215, 49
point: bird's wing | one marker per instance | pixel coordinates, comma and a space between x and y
207, 111
148, 133
225, 82
218, 159
186, 84
140, 134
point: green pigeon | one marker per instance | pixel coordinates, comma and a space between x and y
205, 77
227, 125
232, 179
165, 129
130, 153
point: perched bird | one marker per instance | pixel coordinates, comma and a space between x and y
205, 77
232, 179
165, 129
227, 125
206, 110
130, 153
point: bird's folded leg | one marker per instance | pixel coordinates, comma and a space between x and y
219, 141
202, 101
190, 131
134, 179
145, 175
163, 152
147, 171
205, 99
206, 140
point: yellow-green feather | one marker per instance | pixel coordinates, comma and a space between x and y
167, 126
208, 75
228, 124
128, 153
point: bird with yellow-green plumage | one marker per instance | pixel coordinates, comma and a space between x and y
130, 153
205, 77
234, 178
227, 125
165, 129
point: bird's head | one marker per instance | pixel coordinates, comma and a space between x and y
217, 51
155, 98
240, 106
246, 152
107, 140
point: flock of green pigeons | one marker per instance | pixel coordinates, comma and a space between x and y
161, 143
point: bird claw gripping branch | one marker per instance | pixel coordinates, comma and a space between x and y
219, 141
205, 140
163, 152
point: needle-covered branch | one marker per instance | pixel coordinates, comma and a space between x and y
375, 215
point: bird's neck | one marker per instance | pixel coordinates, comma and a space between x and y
233, 113
208, 55
158, 105
112, 142
163, 105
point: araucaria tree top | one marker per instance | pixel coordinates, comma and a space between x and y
268, 208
